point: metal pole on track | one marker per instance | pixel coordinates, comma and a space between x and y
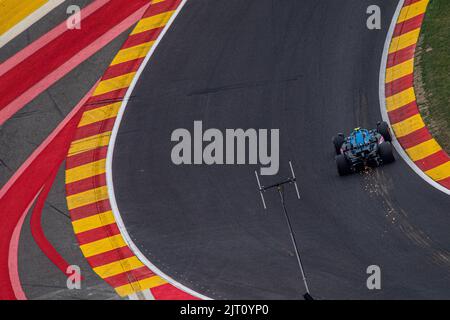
279, 186
307, 296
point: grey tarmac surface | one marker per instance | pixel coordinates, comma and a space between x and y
309, 68
19, 137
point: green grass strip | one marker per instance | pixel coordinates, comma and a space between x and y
433, 71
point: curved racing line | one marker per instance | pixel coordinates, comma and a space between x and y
96, 221
413, 140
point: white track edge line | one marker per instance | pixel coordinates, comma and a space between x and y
109, 158
383, 109
28, 21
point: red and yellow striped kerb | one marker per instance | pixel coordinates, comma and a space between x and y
401, 104
94, 224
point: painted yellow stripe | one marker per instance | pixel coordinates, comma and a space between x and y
86, 171
117, 267
157, 1
90, 143
132, 53
153, 22
400, 70
140, 285
404, 40
400, 99
100, 114
412, 10
112, 84
423, 150
408, 126
87, 197
93, 222
102, 246
440, 172
14, 11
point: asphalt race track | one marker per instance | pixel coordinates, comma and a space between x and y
309, 68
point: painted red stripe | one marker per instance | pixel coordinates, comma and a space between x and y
410, 2
129, 277
106, 98
13, 254
140, 38
86, 157
86, 184
38, 233
403, 113
23, 187
432, 161
161, 7
94, 128
51, 78
408, 25
90, 209
445, 182
47, 59
401, 55
399, 85
98, 234
46, 38
110, 257
122, 68
415, 138
170, 292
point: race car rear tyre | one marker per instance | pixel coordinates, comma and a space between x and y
383, 129
386, 153
338, 141
343, 166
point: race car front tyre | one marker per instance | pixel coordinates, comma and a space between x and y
337, 142
386, 153
343, 166
383, 129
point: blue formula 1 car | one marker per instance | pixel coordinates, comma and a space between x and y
363, 148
